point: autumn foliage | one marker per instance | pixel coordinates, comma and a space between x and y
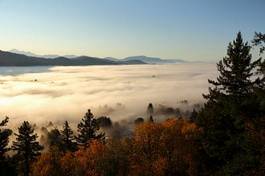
167, 148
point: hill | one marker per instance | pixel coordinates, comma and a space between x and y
13, 59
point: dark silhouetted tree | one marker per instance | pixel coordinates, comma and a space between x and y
4, 138
138, 121
150, 112
224, 115
88, 129
104, 122
259, 40
26, 146
194, 115
68, 138
236, 71
6, 167
55, 139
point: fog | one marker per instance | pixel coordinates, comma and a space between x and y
121, 92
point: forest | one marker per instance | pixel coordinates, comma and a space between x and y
226, 136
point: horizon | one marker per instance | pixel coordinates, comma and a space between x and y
168, 30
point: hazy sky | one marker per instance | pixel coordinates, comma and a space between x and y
172, 29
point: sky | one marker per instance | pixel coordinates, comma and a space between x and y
171, 29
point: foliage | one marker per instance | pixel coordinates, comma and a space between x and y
88, 129
233, 101
4, 138
68, 139
26, 146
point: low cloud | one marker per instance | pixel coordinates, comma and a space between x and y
65, 93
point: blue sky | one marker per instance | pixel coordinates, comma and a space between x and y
170, 29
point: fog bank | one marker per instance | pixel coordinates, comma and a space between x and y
65, 93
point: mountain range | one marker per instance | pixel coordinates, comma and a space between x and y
21, 58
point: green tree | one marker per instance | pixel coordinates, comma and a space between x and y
26, 146
6, 166
150, 112
259, 41
68, 138
228, 109
88, 129
55, 139
4, 138
236, 71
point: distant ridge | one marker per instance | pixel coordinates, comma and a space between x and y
13, 59
16, 57
153, 60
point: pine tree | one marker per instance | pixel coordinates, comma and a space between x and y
4, 138
26, 146
55, 139
6, 166
151, 119
88, 129
150, 112
223, 117
236, 71
259, 41
68, 138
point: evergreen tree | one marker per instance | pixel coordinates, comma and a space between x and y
68, 138
194, 115
259, 40
151, 119
150, 112
224, 115
26, 146
55, 139
88, 129
6, 166
4, 138
236, 71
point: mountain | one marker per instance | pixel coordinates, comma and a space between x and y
13, 59
23, 58
50, 56
153, 60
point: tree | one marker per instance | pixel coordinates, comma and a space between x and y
236, 71
104, 122
150, 112
26, 146
88, 129
259, 40
68, 138
6, 167
4, 138
55, 139
48, 163
228, 109
138, 121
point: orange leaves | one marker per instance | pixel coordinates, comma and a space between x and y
167, 148
164, 148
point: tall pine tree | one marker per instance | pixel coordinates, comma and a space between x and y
26, 146
88, 129
68, 138
224, 115
4, 138
6, 166
236, 71
259, 40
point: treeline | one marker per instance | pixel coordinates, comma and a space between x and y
224, 137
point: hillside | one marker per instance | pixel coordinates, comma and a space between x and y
13, 59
